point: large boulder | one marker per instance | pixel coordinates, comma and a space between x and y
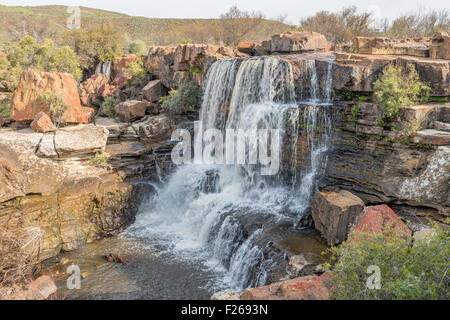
156, 129
440, 46
26, 103
246, 47
334, 213
379, 220
131, 110
153, 91
292, 42
120, 67
42, 123
305, 288
90, 88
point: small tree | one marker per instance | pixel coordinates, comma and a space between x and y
397, 88
55, 104
137, 73
185, 99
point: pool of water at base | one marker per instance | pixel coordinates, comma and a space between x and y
153, 272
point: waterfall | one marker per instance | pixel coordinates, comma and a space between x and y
201, 211
104, 68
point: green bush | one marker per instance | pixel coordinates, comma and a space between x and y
109, 106
45, 57
137, 47
185, 99
95, 44
5, 109
418, 271
397, 88
55, 104
137, 73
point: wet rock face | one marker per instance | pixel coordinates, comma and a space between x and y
380, 166
26, 103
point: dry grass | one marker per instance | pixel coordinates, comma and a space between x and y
19, 255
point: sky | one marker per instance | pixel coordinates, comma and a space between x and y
294, 9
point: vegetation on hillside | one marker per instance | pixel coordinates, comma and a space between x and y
343, 26
45, 56
397, 88
408, 271
95, 44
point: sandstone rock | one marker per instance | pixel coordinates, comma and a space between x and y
120, 66
413, 46
379, 220
106, 90
80, 140
153, 91
440, 46
172, 64
89, 113
246, 47
42, 123
156, 129
89, 89
122, 63
432, 136
131, 110
26, 103
11, 174
334, 213
298, 42
227, 296
1, 120
305, 288
41, 288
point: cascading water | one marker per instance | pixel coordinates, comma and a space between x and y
104, 68
200, 212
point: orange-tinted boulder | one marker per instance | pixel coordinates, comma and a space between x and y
90, 88
131, 110
26, 103
246, 47
298, 42
380, 220
440, 46
42, 123
305, 288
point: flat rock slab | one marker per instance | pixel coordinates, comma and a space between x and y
432, 136
127, 149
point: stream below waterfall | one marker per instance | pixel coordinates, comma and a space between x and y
213, 227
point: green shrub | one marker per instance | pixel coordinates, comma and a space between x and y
100, 159
397, 88
95, 44
109, 106
45, 57
418, 271
5, 109
137, 47
137, 73
185, 99
55, 104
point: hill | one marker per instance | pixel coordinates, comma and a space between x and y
50, 21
